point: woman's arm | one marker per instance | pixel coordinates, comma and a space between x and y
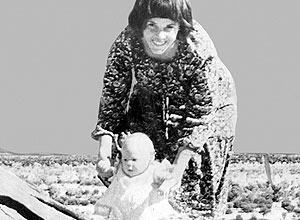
213, 104
173, 181
116, 88
104, 153
211, 111
183, 156
114, 98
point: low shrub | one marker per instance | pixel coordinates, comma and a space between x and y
239, 217
286, 204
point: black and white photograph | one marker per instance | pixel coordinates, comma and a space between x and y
149, 110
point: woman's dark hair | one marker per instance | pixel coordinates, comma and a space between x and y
176, 10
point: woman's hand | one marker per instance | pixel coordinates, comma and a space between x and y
173, 181
167, 186
105, 171
165, 179
103, 165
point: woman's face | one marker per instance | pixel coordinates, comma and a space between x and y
160, 35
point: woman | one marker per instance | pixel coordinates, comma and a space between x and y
164, 78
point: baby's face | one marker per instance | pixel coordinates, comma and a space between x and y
134, 160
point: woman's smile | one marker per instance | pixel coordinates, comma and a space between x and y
160, 35
158, 43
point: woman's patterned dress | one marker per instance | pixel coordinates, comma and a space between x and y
188, 101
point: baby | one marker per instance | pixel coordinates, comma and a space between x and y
135, 192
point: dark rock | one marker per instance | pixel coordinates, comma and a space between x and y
21, 200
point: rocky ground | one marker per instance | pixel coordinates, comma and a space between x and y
72, 181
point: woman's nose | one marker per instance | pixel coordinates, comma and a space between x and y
161, 34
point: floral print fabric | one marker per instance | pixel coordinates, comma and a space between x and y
188, 101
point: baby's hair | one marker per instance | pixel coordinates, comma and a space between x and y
142, 138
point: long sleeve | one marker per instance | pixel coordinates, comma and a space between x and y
213, 104
116, 87
212, 107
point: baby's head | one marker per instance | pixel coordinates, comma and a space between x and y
137, 154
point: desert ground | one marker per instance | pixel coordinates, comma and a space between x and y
72, 181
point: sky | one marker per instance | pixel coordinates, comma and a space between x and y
53, 55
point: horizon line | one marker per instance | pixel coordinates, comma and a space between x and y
3, 151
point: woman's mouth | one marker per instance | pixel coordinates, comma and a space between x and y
158, 43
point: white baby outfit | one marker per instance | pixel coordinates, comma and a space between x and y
134, 198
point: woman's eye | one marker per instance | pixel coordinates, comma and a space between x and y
150, 24
169, 28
